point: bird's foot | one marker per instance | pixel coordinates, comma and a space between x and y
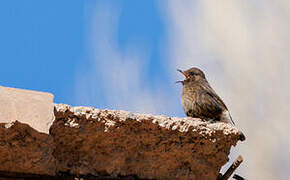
209, 120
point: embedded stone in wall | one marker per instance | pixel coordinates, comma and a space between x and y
30, 107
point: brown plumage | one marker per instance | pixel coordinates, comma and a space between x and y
199, 100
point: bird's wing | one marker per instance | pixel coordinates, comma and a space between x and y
217, 99
214, 97
210, 106
201, 105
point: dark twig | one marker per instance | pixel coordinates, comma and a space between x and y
232, 168
238, 177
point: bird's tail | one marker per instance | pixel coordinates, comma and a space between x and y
227, 117
231, 119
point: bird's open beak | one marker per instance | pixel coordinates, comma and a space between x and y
186, 75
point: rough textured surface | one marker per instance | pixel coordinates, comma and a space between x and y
24, 150
118, 143
92, 143
30, 107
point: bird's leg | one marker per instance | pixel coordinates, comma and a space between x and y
211, 120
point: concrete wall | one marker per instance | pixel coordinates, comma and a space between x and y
89, 142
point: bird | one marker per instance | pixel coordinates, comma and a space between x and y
199, 100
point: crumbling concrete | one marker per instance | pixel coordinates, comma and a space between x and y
25, 150
119, 143
88, 142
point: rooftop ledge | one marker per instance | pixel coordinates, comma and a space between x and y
114, 144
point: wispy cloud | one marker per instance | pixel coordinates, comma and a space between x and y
118, 78
244, 47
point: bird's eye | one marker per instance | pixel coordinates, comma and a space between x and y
192, 73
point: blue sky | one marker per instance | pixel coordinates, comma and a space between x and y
123, 54
42, 43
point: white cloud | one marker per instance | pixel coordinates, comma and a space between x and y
244, 47
118, 77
